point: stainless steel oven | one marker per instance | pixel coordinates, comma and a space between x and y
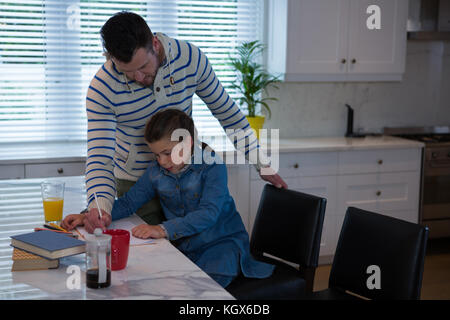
435, 193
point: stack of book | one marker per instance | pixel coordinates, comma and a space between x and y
23, 260
42, 249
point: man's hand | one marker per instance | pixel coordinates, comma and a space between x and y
92, 220
271, 176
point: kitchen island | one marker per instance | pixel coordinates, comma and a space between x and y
154, 271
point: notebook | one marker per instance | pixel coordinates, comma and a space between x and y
23, 260
127, 223
48, 244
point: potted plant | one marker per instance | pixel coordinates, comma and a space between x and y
252, 80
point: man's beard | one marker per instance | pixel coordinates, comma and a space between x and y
149, 80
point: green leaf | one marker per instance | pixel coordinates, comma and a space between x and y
251, 78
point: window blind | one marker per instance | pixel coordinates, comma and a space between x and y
50, 50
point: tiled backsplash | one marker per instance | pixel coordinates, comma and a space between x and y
318, 109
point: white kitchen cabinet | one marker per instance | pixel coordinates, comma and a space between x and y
328, 40
41, 170
61, 169
387, 193
239, 187
12, 171
305, 164
377, 51
377, 161
380, 180
392, 194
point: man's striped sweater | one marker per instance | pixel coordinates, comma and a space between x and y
118, 110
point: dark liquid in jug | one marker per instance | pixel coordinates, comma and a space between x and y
92, 279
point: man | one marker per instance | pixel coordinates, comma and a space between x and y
144, 74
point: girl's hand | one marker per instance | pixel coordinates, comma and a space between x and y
72, 221
145, 231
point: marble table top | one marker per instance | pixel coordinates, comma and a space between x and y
154, 271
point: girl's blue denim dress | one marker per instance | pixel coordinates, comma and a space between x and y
202, 220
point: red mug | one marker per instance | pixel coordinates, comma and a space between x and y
120, 246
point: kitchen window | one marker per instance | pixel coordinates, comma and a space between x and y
51, 49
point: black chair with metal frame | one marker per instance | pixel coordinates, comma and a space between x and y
377, 257
286, 232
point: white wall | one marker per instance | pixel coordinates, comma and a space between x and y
318, 109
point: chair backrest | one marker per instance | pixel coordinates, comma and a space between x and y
288, 225
379, 257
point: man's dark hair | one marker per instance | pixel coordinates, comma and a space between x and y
124, 33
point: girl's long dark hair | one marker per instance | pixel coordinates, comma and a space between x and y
164, 123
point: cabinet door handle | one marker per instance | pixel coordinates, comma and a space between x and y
378, 193
343, 61
296, 166
353, 60
380, 161
60, 170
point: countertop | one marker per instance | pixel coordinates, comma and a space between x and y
26, 153
346, 144
42, 152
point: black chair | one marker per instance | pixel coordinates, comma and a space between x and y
288, 225
395, 246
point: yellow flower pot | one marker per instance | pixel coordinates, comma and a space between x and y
256, 123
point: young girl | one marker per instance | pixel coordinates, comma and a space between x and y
202, 220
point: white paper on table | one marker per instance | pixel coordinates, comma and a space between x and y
125, 224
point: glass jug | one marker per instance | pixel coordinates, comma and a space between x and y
98, 260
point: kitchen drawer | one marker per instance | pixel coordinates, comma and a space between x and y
13, 171
386, 192
374, 161
58, 169
304, 165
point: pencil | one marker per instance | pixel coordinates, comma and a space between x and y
50, 227
57, 227
98, 207
46, 229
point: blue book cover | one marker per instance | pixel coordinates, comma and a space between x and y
48, 243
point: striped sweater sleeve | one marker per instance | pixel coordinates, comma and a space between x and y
224, 109
100, 147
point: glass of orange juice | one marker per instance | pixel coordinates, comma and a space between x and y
53, 200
